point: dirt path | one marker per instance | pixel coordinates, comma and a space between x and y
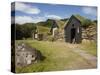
88, 57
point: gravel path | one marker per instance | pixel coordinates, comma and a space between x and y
88, 57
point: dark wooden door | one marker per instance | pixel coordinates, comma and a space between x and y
73, 35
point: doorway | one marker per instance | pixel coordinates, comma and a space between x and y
73, 35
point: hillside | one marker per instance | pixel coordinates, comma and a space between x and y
26, 30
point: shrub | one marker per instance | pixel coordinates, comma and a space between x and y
86, 23
51, 38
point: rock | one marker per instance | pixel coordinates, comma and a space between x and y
25, 55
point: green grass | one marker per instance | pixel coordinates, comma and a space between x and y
89, 46
58, 57
42, 29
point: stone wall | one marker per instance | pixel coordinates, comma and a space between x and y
90, 33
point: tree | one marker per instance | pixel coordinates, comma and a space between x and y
19, 32
25, 30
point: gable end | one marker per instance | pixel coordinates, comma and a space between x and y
71, 20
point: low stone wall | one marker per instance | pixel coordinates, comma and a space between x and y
90, 33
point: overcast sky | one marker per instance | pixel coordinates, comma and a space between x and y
36, 12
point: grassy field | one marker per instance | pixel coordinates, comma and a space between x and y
89, 46
58, 57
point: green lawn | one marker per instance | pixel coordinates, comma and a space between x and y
58, 57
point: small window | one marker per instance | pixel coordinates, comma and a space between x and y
32, 56
72, 25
